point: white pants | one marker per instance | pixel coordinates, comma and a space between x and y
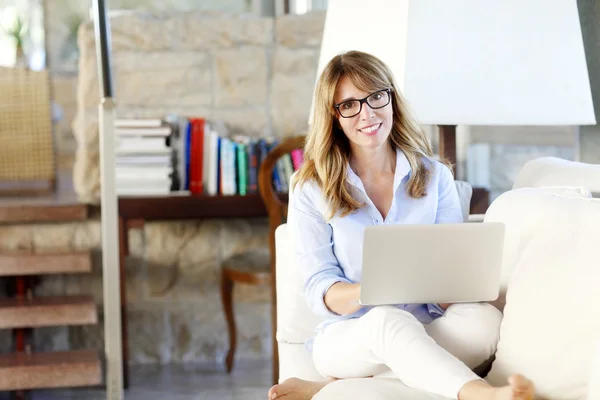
436, 358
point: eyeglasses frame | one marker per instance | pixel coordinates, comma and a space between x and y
364, 100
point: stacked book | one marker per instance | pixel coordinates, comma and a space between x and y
211, 162
144, 157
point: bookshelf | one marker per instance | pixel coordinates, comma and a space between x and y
192, 207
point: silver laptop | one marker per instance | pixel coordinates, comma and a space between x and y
435, 263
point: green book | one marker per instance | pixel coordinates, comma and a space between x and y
242, 167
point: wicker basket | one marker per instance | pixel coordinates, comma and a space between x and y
26, 145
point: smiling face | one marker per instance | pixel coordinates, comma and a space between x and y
370, 128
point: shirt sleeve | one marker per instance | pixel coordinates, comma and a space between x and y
313, 242
448, 208
435, 310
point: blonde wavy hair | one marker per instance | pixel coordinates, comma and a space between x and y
327, 149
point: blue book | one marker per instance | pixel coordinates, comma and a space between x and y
219, 166
187, 154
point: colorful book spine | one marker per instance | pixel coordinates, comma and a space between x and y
297, 158
212, 188
188, 154
242, 168
253, 160
197, 155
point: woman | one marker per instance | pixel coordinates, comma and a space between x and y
367, 162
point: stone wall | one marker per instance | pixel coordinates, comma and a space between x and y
62, 18
254, 74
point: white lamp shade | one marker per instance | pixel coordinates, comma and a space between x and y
473, 62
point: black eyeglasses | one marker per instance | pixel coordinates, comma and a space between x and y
350, 108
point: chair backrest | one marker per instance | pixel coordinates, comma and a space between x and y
277, 210
276, 205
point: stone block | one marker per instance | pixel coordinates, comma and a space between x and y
86, 129
161, 111
86, 175
88, 89
239, 235
168, 242
87, 235
293, 80
180, 283
88, 336
143, 31
300, 30
150, 338
51, 285
91, 283
198, 32
241, 77
251, 121
16, 237
200, 334
6, 341
144, 79
55, 237
49, 339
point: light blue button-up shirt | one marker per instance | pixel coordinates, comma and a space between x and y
331, 252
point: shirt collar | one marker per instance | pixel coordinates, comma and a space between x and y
402, 170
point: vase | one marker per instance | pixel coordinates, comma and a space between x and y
20, 58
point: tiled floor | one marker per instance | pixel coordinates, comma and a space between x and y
248, 381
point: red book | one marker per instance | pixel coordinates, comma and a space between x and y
196, 155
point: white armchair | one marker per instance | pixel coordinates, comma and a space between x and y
296, 323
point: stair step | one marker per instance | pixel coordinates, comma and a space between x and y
16, 264
19, 371
47, 311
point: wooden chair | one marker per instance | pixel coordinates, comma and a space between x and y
258, 266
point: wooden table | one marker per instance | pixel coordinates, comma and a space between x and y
134, 211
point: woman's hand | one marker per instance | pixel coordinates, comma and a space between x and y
342, 298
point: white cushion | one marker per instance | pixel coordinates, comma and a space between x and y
372, 389
296, 323
551, 318
296, 361
552, 171
465, 192
506, 209
594, 384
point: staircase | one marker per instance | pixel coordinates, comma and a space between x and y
25, 368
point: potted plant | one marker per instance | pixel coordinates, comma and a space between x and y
18, 31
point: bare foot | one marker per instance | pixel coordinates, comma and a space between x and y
297, 389
518, 388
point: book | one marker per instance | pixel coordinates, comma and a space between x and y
197, 156
212, 186
162, 131
297, 158
143, 160
138, 122
242, 168
253, 154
